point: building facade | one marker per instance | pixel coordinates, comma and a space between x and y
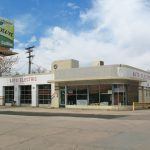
26, 90
69, 85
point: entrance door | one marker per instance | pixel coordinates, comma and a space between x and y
62, 97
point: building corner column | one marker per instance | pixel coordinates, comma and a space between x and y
34, 98
55, 95
17, 95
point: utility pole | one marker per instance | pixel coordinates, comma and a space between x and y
30, 56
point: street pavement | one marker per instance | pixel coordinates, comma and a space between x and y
65, 129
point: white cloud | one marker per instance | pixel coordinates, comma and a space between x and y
24, 24
120, 34
127, 22
33, 39
61, 44
22, 64
22, 45
73, 5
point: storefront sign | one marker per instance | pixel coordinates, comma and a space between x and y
133, 73
23, 79
141, 75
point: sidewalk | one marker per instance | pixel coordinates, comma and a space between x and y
66, 110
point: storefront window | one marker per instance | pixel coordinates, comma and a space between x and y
25, 94
94, 94
62, 96
44, 94
9, 94
77, 95
105, 94
71, 95
82, 93
132, 91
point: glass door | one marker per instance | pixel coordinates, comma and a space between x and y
62, 97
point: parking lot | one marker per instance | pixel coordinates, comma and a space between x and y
43, 129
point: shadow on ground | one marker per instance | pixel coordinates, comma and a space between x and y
47, 114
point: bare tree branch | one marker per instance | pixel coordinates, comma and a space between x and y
39, 70
6, 64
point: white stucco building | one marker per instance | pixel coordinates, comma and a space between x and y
69, 85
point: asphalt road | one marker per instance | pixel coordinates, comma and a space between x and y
74, 131
59, 114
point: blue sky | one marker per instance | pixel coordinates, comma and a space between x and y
44, 14
115, 31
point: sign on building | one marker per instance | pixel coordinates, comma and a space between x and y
6, 33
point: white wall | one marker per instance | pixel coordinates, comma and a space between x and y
135, 74
17, 81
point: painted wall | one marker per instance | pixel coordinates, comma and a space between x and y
134, 73
74, 74
33, 80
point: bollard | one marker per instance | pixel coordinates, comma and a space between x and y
133, 107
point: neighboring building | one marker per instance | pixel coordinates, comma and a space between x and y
69, 85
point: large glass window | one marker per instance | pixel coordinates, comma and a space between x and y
25, 94
82, 93
103, 94
71, 95
106, 94
77, 95
93, 94
62, 96
132, 91
44, 94
9, 94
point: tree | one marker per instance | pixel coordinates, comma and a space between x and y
39, 69
6, 64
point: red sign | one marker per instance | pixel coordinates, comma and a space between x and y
23, 79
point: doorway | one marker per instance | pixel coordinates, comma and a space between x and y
62, 97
